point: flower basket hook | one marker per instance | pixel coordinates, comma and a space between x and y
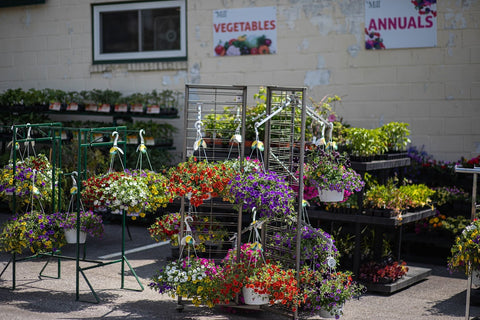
115, 150
142, 149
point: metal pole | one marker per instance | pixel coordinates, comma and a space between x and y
472, 217
79, 185
475, 171
300, 192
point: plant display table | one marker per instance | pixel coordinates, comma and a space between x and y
414, 274
372, 220
359, 218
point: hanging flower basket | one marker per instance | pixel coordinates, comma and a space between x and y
330, 195
71, 236
253, 298
330, 171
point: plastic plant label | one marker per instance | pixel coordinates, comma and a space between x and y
55, 106
72, 106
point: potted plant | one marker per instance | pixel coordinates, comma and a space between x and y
33, 177
89, 101
387, 271
331, 175
166, 228
219, 127
56, 99
36, 231
163, 102
206, 231
266, 192
137, 102
419, 196
386, 199
105, 99
73, 100
116, 191
465, 256
396, 135
36, 100
364, 144
90, 224
327, 293
234, 270
393, 200
317, 247
157, 192
277, 284
190, 278
13, 99
200, 180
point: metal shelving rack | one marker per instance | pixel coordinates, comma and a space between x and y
86, 139
209, 136
284, 121
284, 153
29, 134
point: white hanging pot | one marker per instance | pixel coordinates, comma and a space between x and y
71, 235
253, 298
330, 195
331, 314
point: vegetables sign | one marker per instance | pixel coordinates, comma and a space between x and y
245, 31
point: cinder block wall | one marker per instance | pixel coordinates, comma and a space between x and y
320, 46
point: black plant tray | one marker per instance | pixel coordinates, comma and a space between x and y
413, 276
380, 164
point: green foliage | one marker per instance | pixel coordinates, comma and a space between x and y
106, 96
363, 142
391, 137
397, 198
221, 125
396, 135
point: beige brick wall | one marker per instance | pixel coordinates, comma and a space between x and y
320, 46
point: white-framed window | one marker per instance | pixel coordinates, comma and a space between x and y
139, 31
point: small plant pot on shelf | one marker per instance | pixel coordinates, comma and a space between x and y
71, 236
253, 298
330, 195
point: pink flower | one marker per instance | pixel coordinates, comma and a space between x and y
332, 117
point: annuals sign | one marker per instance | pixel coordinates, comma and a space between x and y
393, 24
245, 31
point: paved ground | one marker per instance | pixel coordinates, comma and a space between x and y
440, 297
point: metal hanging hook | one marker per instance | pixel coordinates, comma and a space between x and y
188, 218
141, 133
74, 188
28, 131
115, 148
142, 148
115, 141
